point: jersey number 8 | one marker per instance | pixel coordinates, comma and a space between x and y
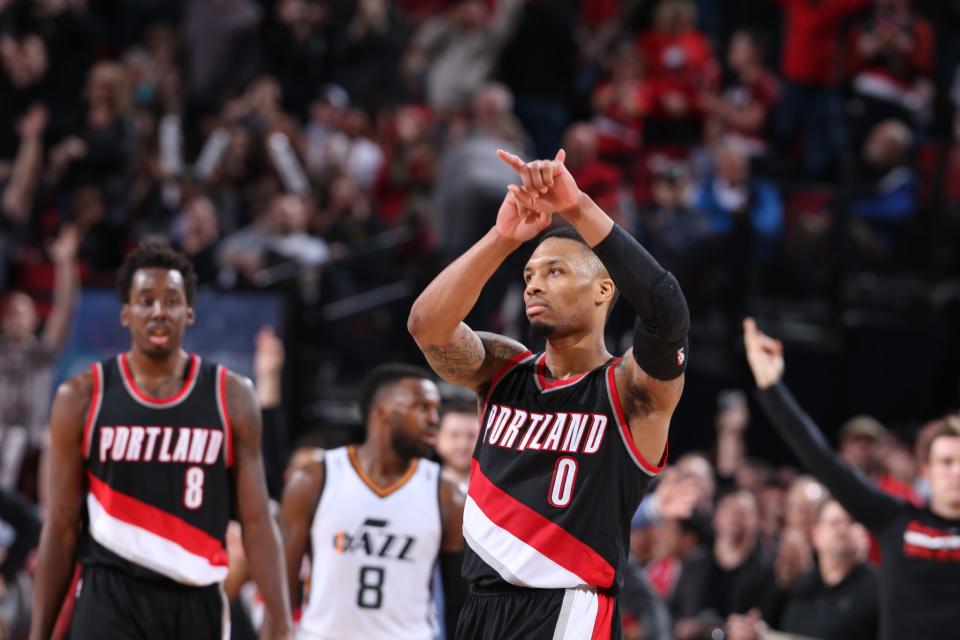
193, 493
370, 594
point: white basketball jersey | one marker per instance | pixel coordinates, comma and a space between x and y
373, 554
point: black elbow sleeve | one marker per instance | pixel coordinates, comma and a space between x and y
660, 344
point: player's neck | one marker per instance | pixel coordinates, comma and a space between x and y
144, 366
380, 462
944, 509
575, 354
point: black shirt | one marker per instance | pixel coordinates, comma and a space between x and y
920, 567
846, 611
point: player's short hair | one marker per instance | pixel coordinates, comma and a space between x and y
156, 254
569, 233
949, 427
382, 377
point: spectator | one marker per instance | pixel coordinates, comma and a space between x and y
738, 577
602, 180
682, 562
19, 533
27, 360
268, 359
456, 439
454, 53
891, 66
196, 232
740, 205
280, 235
297, 49
368, 54
621, 104
811, 106
885, 194
839, 599
742, 110
681, 67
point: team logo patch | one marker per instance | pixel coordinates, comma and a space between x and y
681, 356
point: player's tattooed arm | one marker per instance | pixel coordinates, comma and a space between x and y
299, 503
648, 405
261, 538
471, 358
56, 556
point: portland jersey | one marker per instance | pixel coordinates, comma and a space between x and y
158, 489
373, 554
554, 481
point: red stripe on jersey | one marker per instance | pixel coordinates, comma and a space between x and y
504, 370
550, 539
158, 522
160, 402
225, 414
625, 426
603, 625
94, 408
542, 379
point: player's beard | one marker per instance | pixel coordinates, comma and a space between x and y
406, 446
542, 330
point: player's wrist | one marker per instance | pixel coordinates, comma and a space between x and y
502, 241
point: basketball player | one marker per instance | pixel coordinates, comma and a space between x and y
151, 452
919, 545
571, 437
375, 518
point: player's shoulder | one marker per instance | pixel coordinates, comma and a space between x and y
501, 347
77, 388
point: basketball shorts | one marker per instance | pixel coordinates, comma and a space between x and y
514, 613
112, 604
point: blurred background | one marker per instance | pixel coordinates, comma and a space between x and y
321, 160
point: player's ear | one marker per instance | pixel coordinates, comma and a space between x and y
605, 290
125, 315
191, 316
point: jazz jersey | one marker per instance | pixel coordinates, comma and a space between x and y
554, 481
158, 487
373, 554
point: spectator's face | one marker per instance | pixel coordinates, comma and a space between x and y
695, 466
289, 214
733, 166
580, 143
884, 146
469, 14
413, 406
19, 320
742, 51
836, 534
667, 193
860, 451
943, 471
457, 438
157, 313
567, 290
737, 519
642, 543
801, 504
24, 60
202, 226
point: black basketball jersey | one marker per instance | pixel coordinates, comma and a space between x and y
158, 487
554, 481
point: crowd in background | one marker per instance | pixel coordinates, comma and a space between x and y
796, 158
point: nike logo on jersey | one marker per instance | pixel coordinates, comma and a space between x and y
373, 539
566, 432
194, 445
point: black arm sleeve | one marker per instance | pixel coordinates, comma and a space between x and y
857, 493
454, 589
663, 319
20, 514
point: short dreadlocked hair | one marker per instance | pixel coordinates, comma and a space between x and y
155, 254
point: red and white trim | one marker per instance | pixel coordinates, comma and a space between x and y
524, 547
159, 403
510, 365
541, 380
224, 409
93, 411
585, 615
624, 427
153, 538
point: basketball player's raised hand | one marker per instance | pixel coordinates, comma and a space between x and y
764, 354
519, 223
548, 186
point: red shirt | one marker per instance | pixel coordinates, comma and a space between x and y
685, 59
811, 43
